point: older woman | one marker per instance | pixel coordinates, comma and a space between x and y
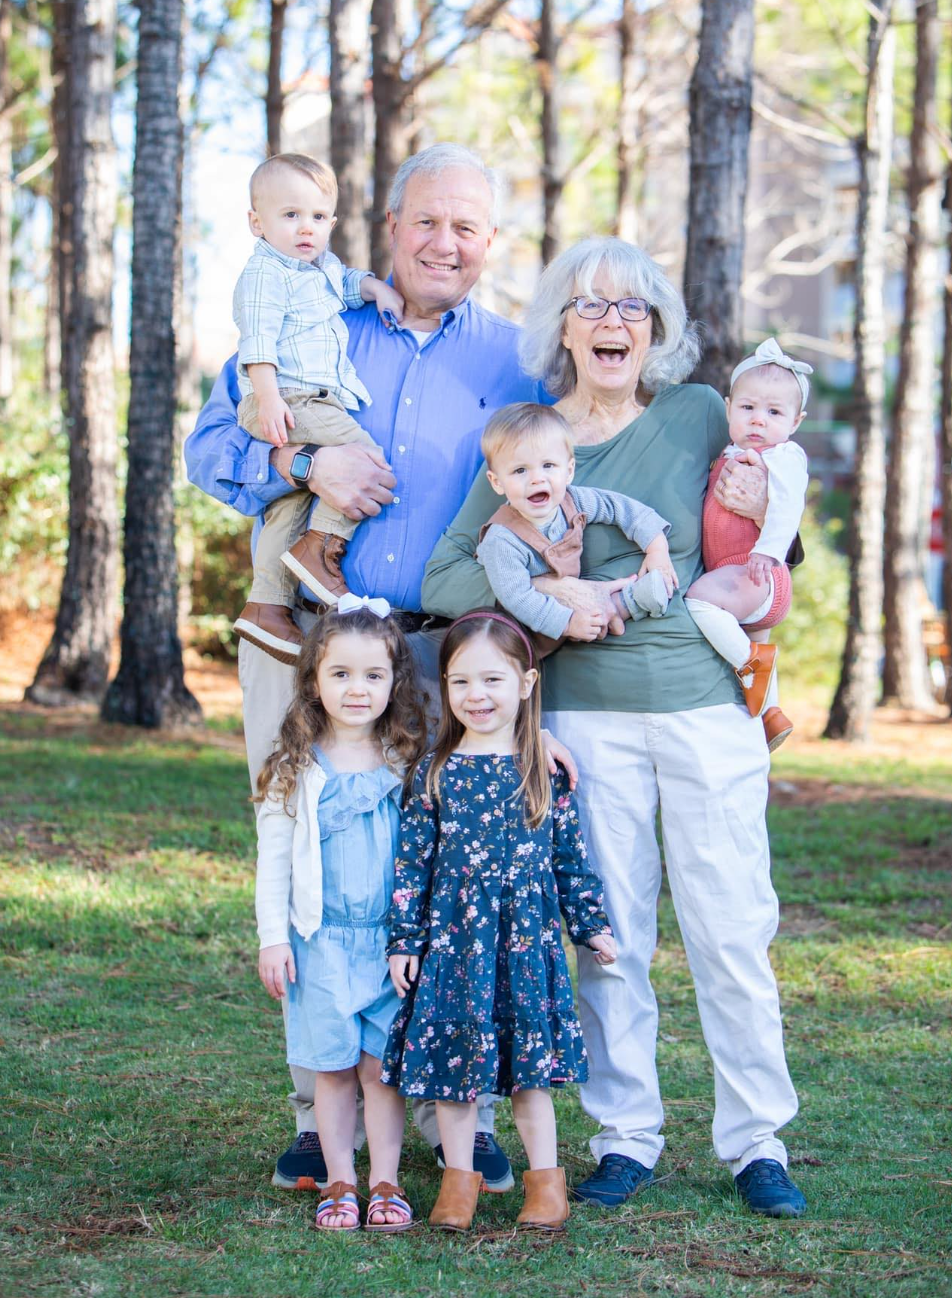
653, 717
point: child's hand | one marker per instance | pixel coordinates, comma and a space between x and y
759, 567
273, 963
403, 972
585, 626
273, 414
658, 558
603, 944
385, 295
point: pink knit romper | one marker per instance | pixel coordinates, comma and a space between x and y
727, 538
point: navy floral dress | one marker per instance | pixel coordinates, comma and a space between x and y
477, 896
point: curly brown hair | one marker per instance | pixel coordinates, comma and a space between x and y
401, 727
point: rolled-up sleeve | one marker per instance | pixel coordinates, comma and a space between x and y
260, 306
225, 461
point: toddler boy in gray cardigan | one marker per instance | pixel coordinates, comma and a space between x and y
531, 461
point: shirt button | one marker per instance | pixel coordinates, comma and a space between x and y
261, 477
408, 401
396, 500
389, 558
401, 449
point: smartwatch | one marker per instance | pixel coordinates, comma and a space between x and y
301, 464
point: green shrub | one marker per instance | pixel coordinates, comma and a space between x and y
811, 638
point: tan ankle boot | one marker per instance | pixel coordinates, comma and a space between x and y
547, 1203
456, 1201
756, 674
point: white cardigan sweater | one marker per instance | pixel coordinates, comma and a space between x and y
288, 882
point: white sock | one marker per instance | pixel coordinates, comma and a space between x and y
773, 694
721, 629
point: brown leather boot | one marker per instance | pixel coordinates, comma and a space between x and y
777, 727
756, 674
315, 560
547, 1203
456, 1202
272, 628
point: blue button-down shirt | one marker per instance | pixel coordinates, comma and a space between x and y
288, 314
430, 405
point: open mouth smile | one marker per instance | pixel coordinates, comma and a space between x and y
538, 498
441, 267
611, 353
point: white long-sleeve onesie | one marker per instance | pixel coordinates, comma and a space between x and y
787, 479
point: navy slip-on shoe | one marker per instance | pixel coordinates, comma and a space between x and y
767, 1189
616, 1179
302, 1166
489, 1159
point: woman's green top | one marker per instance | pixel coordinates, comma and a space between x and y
660, 664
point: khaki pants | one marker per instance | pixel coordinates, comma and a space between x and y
267, 687
323, 421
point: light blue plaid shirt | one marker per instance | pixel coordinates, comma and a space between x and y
288, 313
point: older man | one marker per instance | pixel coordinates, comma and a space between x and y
435, 379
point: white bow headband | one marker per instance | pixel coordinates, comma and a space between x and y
351, 603
769, 353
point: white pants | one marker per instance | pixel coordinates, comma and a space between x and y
708, 769
266, 689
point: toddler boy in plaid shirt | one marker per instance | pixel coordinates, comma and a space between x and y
297, 383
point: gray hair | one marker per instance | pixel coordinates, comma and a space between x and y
674, 349
433, 161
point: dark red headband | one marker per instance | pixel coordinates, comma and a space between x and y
506, 621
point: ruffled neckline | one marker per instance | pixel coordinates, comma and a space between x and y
348, 794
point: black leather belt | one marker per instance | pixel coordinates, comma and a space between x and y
407, 622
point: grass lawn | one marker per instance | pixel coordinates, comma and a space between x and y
142, 1067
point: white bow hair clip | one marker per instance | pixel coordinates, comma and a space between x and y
770, 353
351, 603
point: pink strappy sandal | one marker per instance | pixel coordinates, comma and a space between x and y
339, 1200
385, 1198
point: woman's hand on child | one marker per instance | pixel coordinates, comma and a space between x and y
589, 625
273, 963
557, 755
759, 567
603, 944
403, 972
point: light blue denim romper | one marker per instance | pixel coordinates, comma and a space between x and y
343, 1001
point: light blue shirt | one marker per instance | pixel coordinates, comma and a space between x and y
288, 314
430, 405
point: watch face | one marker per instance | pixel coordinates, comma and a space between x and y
300, 465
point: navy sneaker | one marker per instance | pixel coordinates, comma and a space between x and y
302, 1167
489, 1159
765, 1187
616, 1179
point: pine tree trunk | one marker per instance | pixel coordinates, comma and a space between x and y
150, 687
626, 212
945, 485
274, 102
390, 126
858, 686
6, 206
912, 453
547, 53
720, 113
76, 662
350, 69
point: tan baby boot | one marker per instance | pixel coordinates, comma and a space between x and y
547, 1203
756, 674
456, 1202
777, 728
316, 560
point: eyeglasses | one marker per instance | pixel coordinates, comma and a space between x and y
595, 308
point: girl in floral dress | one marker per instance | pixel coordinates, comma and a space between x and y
327, 829
489, 851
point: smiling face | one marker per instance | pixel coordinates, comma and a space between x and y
533, 474
484, 690
440, 238
610, 352
763, 408
293, 214
354, 680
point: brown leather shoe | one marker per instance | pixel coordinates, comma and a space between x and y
756, 674
776, 727
456, 1202
272, 628
547, 1203
315, 560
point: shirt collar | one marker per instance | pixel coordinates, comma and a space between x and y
449, 320
265, 249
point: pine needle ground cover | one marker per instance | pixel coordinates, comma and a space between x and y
142, 1076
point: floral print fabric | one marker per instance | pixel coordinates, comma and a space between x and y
478, 896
